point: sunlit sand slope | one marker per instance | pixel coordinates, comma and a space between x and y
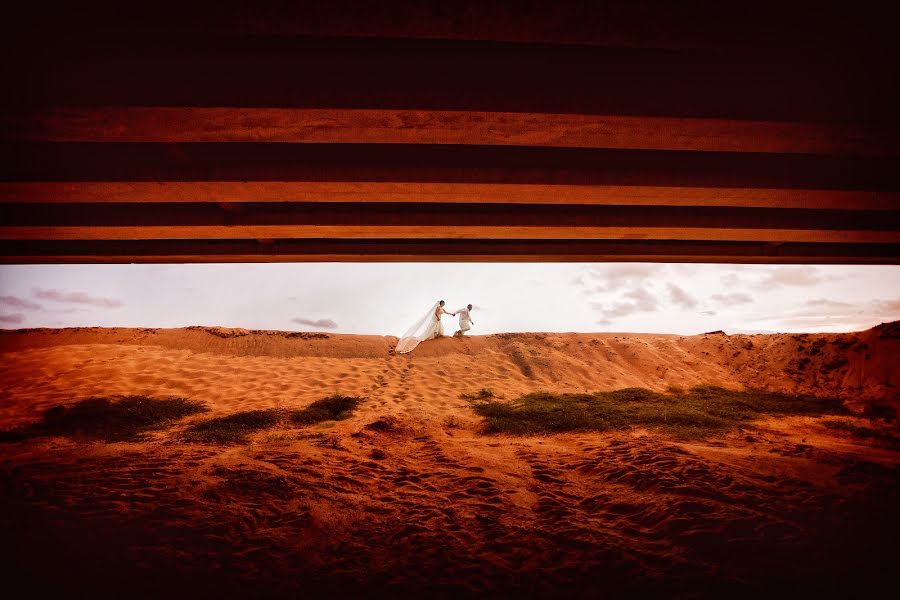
409, 496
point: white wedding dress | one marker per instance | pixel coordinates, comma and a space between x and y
429, 326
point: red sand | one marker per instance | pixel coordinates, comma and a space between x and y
434, 506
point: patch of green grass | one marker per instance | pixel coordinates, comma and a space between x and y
333, 408
119, 419
482, 394
696, 413
860, 432
234, 428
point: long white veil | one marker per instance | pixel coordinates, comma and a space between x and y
421, 331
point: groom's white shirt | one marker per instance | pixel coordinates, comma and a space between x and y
464, 316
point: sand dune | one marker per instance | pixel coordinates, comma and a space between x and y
424, 501
236, 369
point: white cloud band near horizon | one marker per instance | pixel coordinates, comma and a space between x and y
385, 298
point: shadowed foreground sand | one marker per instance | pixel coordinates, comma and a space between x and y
409, 496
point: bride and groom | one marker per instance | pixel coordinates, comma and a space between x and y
429, 326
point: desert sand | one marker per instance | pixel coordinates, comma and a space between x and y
410, 496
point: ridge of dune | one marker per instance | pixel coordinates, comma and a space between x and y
266, 367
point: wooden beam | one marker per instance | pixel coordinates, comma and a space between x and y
386, 126
456, 193
200, 69
281, 250
418, 232
439, 215
440, 232
430, 163
622, 131
640, 24
436, 221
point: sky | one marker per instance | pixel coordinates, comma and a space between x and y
386, 298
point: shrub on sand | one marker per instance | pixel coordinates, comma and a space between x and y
117, 419
333, 408
234, 428
697, 413
482, 394
860, 432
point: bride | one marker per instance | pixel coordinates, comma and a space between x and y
429, 326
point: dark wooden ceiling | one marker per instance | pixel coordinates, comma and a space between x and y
463, 131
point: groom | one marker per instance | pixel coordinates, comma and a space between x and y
465, 320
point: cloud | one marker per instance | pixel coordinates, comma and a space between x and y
732, 299
887, 305
708, 313
822, 314
730, 280
681, 297
815, 323
826, 307
614, 277
641, 301
829, 304
685, 268
76, 298
615, 310
632, 270
644, 299
320, 323
16, 318
20, 303
796, 276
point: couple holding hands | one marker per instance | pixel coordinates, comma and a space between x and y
430, 326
